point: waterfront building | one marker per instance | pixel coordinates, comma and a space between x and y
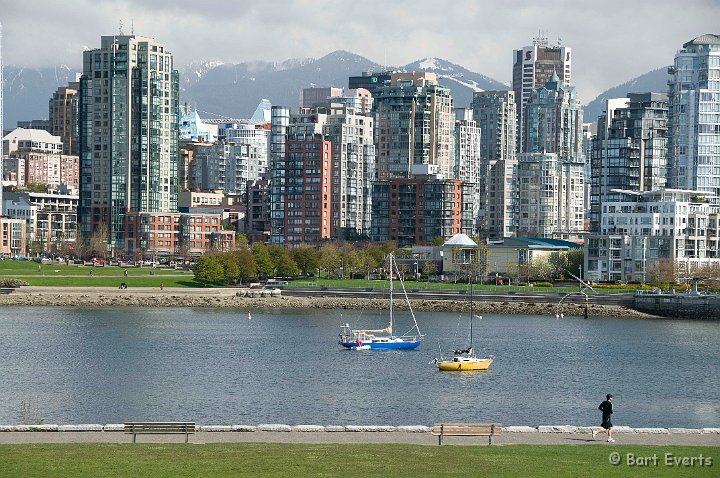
414, 127
12, 237
629, 150
533, 66
642, 229
495, 114
63, 116
229, 165
129, 112
178, 235
420, 209
694, 116
49, 218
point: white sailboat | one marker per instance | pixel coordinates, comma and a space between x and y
383, 338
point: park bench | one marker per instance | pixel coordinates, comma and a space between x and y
467, 430
160, 428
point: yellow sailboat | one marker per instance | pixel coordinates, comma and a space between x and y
465, 360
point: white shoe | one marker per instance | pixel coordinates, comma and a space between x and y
611, 440
594, 433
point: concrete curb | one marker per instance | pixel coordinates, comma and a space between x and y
277, 427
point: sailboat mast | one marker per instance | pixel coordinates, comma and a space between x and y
390, 262
471, 314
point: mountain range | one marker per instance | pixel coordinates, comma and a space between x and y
228, 90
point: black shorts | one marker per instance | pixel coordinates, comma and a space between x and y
607, 424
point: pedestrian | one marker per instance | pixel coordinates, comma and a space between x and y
126, 274
162, 284
606, 408
91, 273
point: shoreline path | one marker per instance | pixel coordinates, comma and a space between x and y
685, 438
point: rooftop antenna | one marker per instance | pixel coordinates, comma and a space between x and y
120, 30
132, 26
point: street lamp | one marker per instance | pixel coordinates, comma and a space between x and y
417, 273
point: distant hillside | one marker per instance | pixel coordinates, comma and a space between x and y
653, 81
234, 90
28, 91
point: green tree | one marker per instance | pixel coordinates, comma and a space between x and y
231, 269
284, 265
241, 239
307, 259
438, 241
330, 259
208, 268
352, 262
36, 187
246, 264
263, 261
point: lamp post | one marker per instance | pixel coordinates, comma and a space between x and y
417, 273
496, 273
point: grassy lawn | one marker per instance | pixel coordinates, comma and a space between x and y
79, 276
272, 459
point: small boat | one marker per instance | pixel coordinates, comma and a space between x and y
465, 360
383, 338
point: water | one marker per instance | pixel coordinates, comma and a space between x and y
214, 366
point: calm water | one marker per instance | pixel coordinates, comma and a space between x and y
284, 366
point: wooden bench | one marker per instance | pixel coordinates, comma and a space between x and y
467, 430
160, 428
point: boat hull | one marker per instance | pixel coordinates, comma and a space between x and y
384, 345
476, 365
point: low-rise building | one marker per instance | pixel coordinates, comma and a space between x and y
12, 237
642, 229
179, 235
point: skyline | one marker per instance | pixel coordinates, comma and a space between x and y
642, 37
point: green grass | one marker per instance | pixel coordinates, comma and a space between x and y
330, 460
55, 275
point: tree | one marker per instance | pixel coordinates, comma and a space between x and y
330, 259
352, 262
429, 268
438, 241
231, 270
208, 269
284, 265
246, 264
241, 239
263, 262
662, 273
307, 259
99, 240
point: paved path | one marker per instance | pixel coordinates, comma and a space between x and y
362, 437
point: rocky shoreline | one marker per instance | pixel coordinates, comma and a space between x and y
245, 300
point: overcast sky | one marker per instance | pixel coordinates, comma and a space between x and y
612, 41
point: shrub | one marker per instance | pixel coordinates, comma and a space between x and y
542, 284
14, 283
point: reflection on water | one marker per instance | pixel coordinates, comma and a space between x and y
215, 366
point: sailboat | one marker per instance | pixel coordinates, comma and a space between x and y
465, 360
383, 338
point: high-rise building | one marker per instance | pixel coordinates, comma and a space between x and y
63, 115
128, 135
414, 127
551, 168
532, 68
323, 178
316, 95
629, 150
467, 157
369, 81
495, 115
420, 209
694, 116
